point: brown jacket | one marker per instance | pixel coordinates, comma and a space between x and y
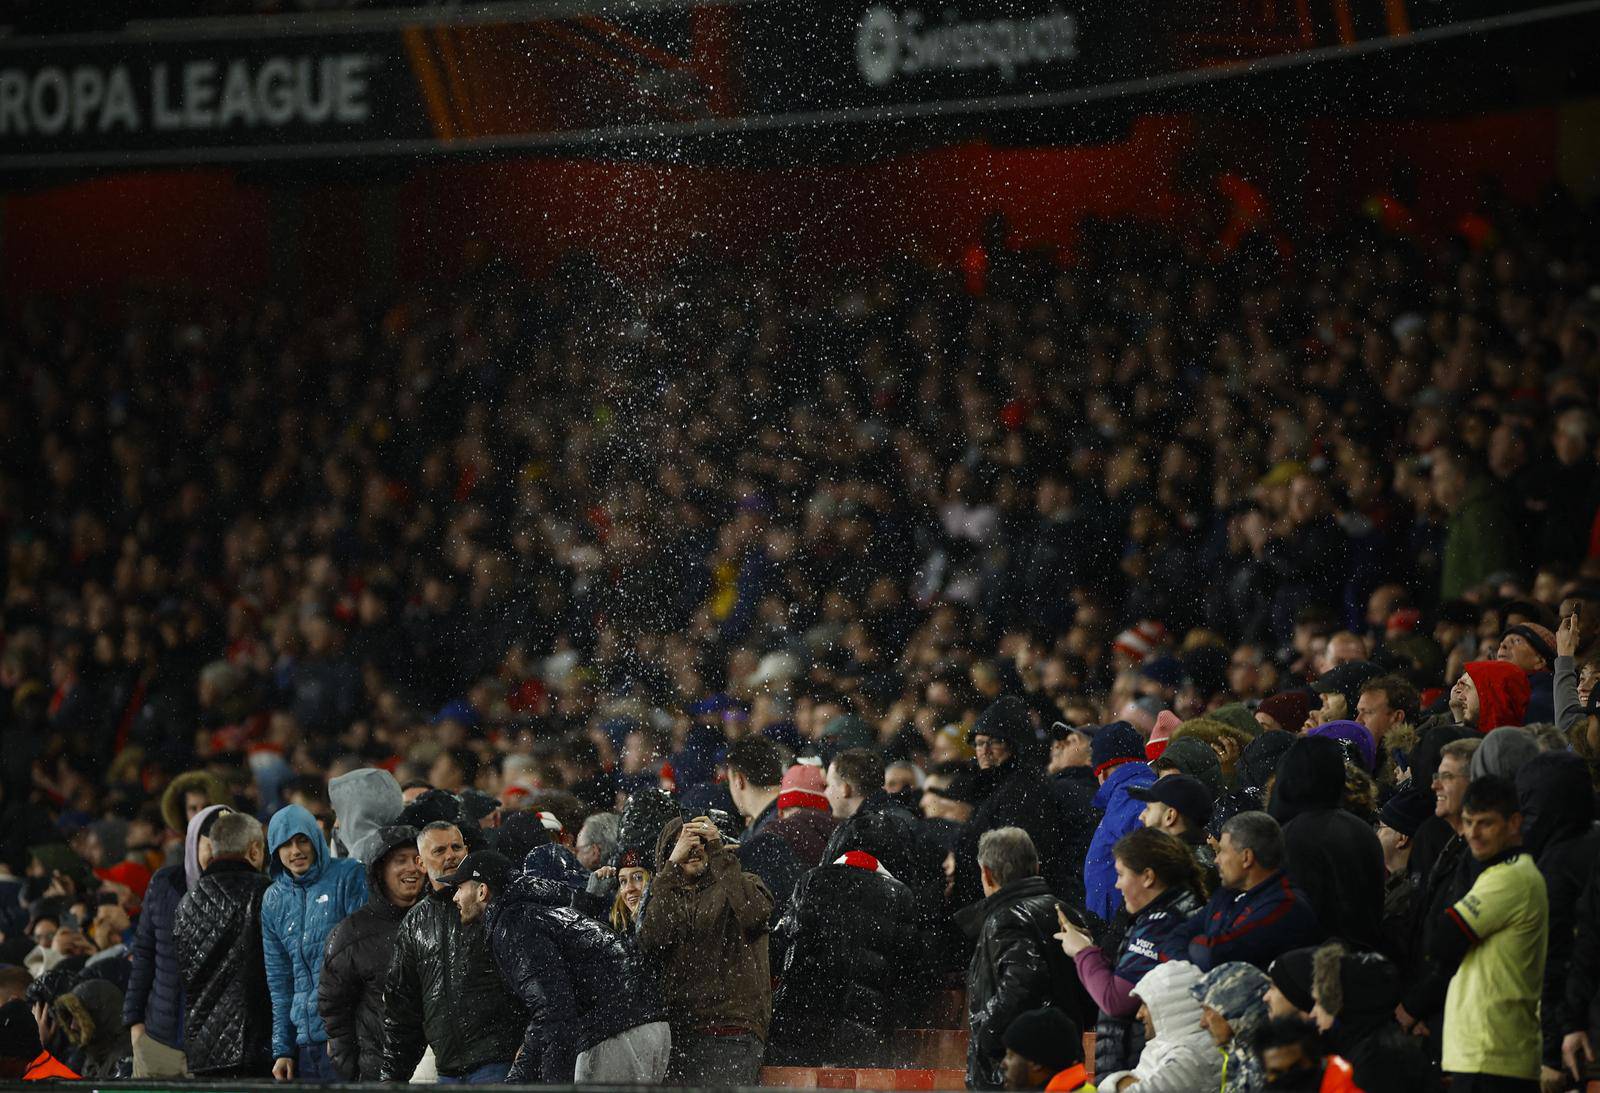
708, 937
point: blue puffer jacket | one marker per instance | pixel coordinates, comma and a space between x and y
297, 915
155, 985
1120, 816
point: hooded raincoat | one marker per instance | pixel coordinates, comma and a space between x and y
364, 802
1180, 1057
297, 915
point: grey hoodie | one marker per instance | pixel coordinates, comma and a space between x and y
364, 802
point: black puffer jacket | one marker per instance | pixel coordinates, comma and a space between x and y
1557, 801
155, 988
443, 992
577, 980
854, 965
1014, 794
1017, 965
228, 1023
354, 966
906, 851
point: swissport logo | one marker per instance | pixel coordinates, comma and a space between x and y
889, 45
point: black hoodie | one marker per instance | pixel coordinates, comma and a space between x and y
1330, 854
355, 962
1558, 811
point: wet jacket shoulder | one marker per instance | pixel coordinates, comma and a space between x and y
573, 975
217, 931
1014, 794
442, 991
1120, 815
853, 961
708, 936
155, 987
907, 850
1016, 965
1254, 926
354, 965
297, 915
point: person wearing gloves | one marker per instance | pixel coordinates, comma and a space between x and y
1233, 1005
364, 801
311, 893
1179, 1054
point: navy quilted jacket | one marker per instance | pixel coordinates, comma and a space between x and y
155, 986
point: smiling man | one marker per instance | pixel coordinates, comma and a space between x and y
350, 994
311, 893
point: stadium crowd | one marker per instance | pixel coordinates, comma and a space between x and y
567, 681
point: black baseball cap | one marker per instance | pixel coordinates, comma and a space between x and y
487, 866
1187, 794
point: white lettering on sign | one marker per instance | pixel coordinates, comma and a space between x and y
890, 45
198, 95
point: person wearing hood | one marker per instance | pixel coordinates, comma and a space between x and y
1352, 996
1488, 694
152, 1008
1233, 1005
1010, 791
1118, 756
704, 922
190, 793
356, 959
311, 893
1332, 856
594, 1015
91, 1016
364, 801
1179, 1054
1503, 753
1558, 814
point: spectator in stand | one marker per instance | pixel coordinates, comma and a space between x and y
311, 893
1497, 948
1558, 812
1285, 712
153, 1007
1072, 780
356, 960
442, 990
755, 776
1389, 708
1179, 1054
854, 787
1257, 913
1293, 1057
704, 923
1044, 1051
1478, 538
805, 818
853, 960
1332, 856
364, 802
1532, 648
1398, 822
1180, 806
1015, 967
1488, 694
1118, 756
1010, 792
1162, 886
1233, 1005
633, 879
1447, 881
595, 1016
22, 1056
227, 1025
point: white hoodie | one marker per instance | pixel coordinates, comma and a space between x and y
1181, 1057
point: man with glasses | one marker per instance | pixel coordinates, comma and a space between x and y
1422, 1004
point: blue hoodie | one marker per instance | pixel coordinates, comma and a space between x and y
297, 915
1121, 815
